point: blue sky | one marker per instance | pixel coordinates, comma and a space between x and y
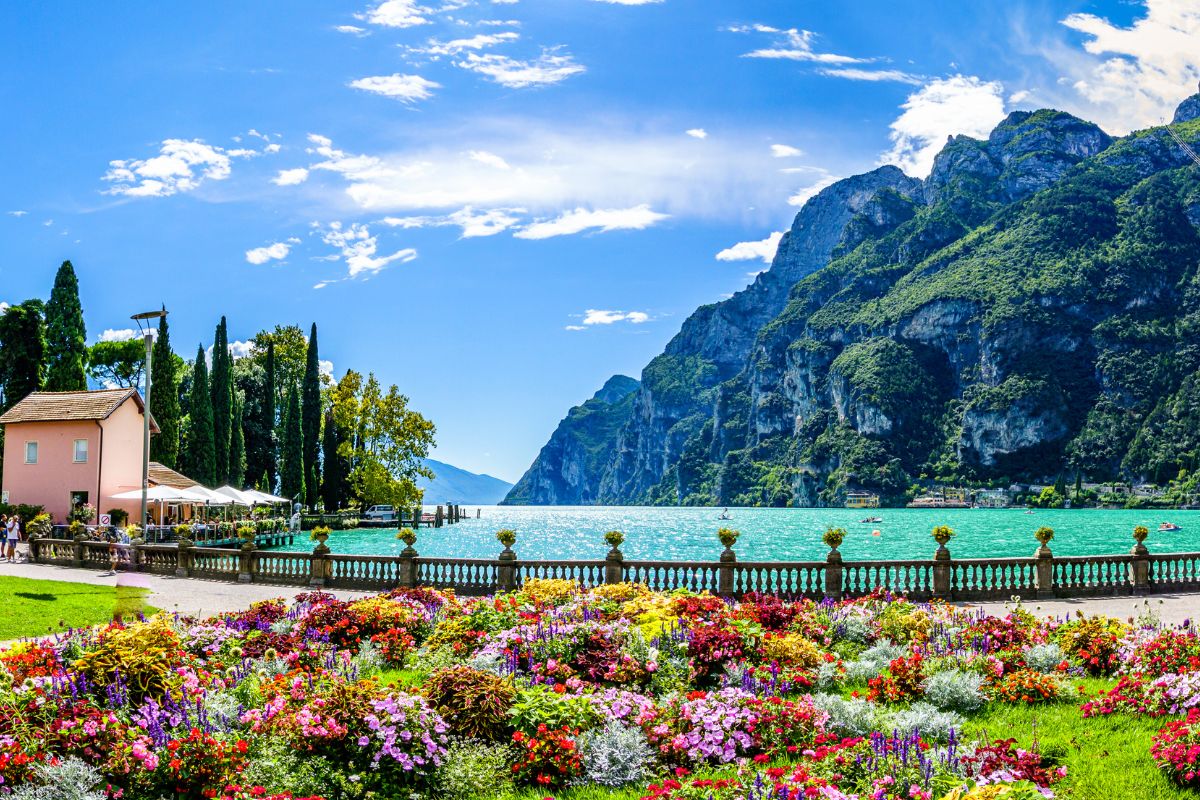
497, 205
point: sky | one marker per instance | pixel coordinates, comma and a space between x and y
497, 204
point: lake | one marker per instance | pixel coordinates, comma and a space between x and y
776, 534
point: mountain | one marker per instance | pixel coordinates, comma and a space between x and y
1031, 309
567, 470
453, 485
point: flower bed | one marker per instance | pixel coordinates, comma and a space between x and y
417, 693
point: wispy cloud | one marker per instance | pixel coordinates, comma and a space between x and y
359, 249
601, 220
961, 104
794, 44
473, 223
180, 166
396, 14
405, 88
290, 177
548, 68
435, 48
697, 133
17, 213
276, 251
858, 74
812, 190
785, 151
763, 250
596, 316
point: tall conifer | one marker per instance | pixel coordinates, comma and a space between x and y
66, 336
291, 471
22, 352
201, 461
237, 446
222, 406
164, 399
310, 424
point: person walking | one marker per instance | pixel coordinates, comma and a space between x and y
4, 533
13, 531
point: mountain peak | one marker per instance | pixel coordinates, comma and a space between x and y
616, 389
1188, 110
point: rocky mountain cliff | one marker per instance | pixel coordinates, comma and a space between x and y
1030, 309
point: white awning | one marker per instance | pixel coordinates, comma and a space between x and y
162, 494
263, 498
237, 495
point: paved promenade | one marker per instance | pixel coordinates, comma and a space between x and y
197, 597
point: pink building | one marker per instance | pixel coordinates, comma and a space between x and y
62, 449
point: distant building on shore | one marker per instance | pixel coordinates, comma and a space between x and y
862, 500
64, 449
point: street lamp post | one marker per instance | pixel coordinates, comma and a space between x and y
148, 336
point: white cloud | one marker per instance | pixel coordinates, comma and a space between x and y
785, 151
325, 368
17, 213
574, 328
961, 104
352, 29
181, 166
474, 224
396, 14
873, 75
808, 192
359, 249
794, 45
240, 349
582, 219
272, 252
763, 249
290, 177
405, 88
4, 307
548, 68
117, 335
491, 159
697, 133
1133, 77
455, 46
594, 316
554, 168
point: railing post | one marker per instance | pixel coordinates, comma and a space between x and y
321, 566
941, 573
614, 566
1139, 568
506, 572
77, 550
183, 557
1045, 573
408, 568
34, 546
725, 573
246, 563
833, 575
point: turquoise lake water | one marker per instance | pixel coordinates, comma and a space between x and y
770, 534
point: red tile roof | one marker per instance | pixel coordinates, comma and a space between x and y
69, 406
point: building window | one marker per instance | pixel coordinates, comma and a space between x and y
31, 452
81, 450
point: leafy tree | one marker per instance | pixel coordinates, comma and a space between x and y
291, 471
22, 352
117, 363
164, 398
391, 442
222, 404
237, 446
310, 420
66, 336
201, 454
258, 417
338, 446
290, 349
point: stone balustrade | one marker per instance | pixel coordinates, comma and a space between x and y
1042, 576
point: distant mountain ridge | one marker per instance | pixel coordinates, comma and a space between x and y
452, 484
1031, 309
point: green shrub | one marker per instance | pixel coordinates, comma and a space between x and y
474, 703
475, 769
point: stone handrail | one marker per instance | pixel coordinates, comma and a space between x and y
1043, 576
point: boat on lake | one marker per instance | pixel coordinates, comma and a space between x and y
1169, 526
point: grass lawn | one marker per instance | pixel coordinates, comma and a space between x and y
35, 607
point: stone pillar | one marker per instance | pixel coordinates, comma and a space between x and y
941, 573
34, 546
506, 572
321, 566
408, 568
77, 550
183, 558
833, 575
246, 563
1139, 569
725, 583
1045, 573
614, 566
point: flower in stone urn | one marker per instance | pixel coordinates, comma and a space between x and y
942, 534
246, 534
833, 537
407, 535
728, 537
1140, 533
1044, 535
614, 538
320, 534
506, 537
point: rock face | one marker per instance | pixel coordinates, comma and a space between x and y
567, 470
1026, 310
1188, 110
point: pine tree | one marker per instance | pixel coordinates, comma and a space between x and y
66, 336
22, 352
222, 406
291, 471
201, 461
335, 488
164, 399
269, 413
237, 446
311, 418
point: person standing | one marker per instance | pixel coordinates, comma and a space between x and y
4, 532
13, 531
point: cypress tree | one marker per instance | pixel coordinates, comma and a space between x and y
22, 352
222, 406
311, 418
270, 417
201, 459
164, 399
237, 446
66, 336
291, 471
261, 449
335, 488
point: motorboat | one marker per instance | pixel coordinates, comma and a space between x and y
1169, 526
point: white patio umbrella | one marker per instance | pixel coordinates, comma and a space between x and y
209, 496
263, 498
163, 494
237, 495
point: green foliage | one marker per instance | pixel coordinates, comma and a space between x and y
117, 363
474, 703
66, 336
291, 470
237, 445
390, 444
22, 352
310, 418
221, 389
200, 461
255, 378
165, 368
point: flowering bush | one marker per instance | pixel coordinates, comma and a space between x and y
1025, 686
901, 682
548, 757
405, 730
1093, 641
1176, 749
475, 704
